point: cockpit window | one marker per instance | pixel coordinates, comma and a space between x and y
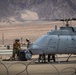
42, 41
54, 32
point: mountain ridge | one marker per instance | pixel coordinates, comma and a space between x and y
22, 10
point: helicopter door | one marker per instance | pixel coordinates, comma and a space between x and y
53, 44
62, 44
71, 48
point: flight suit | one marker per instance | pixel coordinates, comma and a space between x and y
16, 48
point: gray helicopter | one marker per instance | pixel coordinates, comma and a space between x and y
62, 41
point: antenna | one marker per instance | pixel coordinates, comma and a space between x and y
67, 24
55, 27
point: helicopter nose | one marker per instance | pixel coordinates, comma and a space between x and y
35, 49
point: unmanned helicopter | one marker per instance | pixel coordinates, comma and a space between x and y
62, 41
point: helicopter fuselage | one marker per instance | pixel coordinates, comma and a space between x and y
61, 41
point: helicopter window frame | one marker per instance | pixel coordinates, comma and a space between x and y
65, 32
60, 32
55, 32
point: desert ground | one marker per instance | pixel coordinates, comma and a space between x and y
32, 67
31, 30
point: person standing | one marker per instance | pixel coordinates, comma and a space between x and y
51, 57
16, 48
28, 43
42, 58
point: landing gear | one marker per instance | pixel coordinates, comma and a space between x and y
68, 57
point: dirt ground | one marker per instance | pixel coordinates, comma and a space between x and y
32, 67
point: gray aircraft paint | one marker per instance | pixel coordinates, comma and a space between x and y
61, 41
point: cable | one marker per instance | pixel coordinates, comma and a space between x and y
27, 64
74, 73
55, 69
5, 67
18, 63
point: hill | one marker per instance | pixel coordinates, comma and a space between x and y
22, 10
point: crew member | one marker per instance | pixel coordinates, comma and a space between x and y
42, 58
51, 57
16, 48
28, 42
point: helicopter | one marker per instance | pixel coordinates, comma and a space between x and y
62, 41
